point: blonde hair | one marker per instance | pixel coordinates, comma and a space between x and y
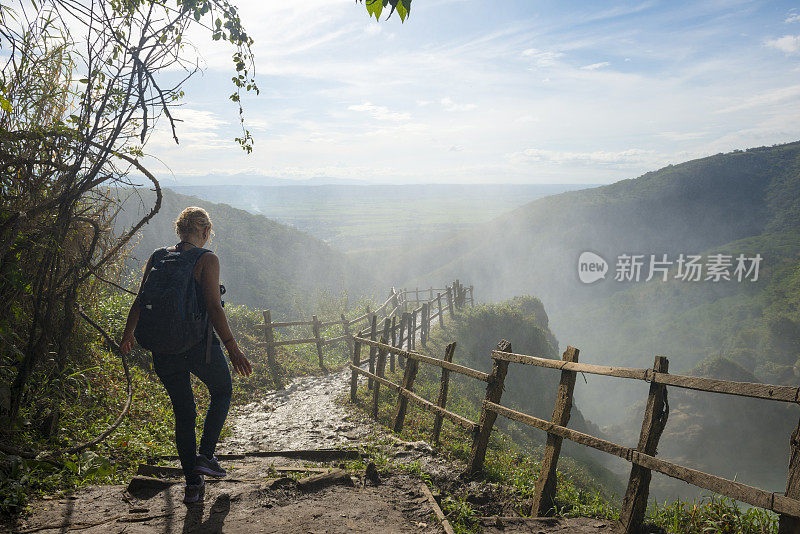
192, 221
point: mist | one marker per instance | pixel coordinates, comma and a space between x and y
509, 241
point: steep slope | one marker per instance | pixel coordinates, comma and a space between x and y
264, 264
744, 202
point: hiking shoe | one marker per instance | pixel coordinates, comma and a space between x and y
194, 492
208, 466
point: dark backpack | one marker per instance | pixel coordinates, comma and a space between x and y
172, 318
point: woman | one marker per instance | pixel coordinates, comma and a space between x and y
194, 229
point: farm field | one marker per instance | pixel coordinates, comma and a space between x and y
354, 218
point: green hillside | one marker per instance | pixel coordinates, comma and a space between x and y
686, 208
743, 202
264, 264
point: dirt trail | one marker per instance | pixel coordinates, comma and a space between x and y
256, 498
303, 416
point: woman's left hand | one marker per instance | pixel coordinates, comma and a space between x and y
127, 343
240, 362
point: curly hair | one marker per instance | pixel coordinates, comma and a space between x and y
192, 221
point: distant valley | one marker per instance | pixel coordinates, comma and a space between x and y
359, 218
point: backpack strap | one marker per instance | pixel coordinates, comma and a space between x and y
193, 254
158, 255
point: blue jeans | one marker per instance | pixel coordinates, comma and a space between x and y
173, 371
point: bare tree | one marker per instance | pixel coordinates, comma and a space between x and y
81, 91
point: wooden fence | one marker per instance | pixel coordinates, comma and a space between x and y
395, 310
642, 457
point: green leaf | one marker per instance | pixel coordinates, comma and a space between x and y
402, 10
374, 7
5, 104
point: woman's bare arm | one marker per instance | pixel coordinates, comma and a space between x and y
209, 281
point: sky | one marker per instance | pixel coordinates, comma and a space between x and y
469, 91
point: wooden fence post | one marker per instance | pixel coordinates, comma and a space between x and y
427, 321
450, 301
471, 297
414, 330
417, 297
379, 372
401, 337
439, 302
441, 401
394, 343
373, 333
457, 292
395, 301
316, 329
387, 326
346, 330
354, 375
423, 331
430, 293
544, 493
494, 390
402, 401
269, 337
789, 524
634, 505
401, 361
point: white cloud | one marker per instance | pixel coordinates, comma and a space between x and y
788, 44
197, 129
602, 157
380, 113
542, 58
449, 105
682, 136
595, 66
766, 98
792, 17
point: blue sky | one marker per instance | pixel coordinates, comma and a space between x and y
493, 92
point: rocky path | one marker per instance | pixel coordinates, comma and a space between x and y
303, 416
257, 496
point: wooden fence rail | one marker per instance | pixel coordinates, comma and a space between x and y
741, 389
405, 390
642, 458
402, 326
